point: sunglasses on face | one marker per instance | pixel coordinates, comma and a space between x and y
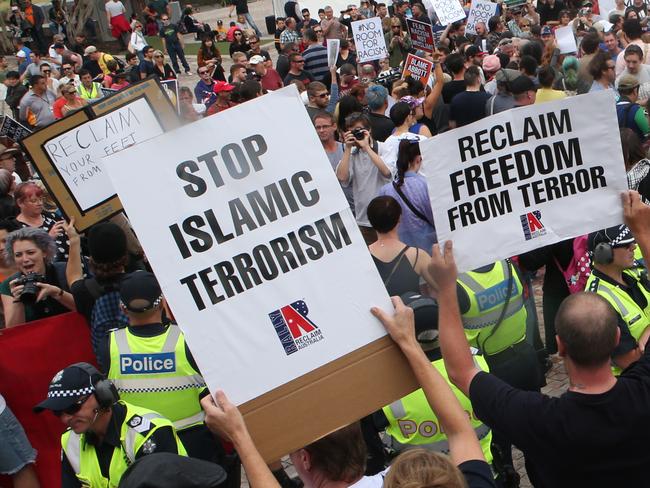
46, 71
72, 409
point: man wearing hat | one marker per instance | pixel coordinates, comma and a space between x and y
97, 59
618, 279
502, 99
223, 91
8, 160
104, 435
630, 114
267, 76
152, 367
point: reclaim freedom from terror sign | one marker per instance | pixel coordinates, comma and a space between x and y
256, 249
526, 178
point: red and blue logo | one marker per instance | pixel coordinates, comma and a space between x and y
294, 328
531, 223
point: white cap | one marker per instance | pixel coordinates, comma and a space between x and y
21, 54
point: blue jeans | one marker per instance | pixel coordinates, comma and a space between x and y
252, 23
175, 50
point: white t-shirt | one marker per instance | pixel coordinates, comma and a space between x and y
115, 8
375, 481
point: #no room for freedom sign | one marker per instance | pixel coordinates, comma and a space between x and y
526, 178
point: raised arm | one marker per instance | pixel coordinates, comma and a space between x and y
431, 100
455, 348
637, 218
463, 443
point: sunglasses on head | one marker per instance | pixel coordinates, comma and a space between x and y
72, 409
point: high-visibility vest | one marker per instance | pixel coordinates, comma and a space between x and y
154, 372
636, 318
95, 91
638, 256
138, 426
412, 423
487, 294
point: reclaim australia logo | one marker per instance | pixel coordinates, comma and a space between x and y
294, 329
531, 223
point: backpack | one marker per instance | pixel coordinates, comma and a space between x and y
120, 63
182, 27
106, 313
579, 268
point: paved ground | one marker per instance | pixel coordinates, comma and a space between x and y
557, 383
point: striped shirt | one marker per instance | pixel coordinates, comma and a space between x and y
315, 57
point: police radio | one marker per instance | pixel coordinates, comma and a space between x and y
105, 391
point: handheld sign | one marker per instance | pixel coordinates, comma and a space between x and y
566, 41
13, 129
417, 68
480, 11
421, 35
369, 39
448, 11
68, 153
333, 46
265, 269
526, 178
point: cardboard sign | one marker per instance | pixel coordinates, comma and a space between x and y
480, 11
526, 178
421, 35
13, 129
418, 68
68, 152
249, 247
566, 41
448, 11
333, 46
369, 39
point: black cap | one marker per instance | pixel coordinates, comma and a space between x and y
425, 310
617, 236
166, 470
58, 46
106, 242
140, 292
473, 51
521, 84
68, 386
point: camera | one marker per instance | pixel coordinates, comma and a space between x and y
359, 134
30, 287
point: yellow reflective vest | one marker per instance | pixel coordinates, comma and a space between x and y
138, 426
487, 294
636, 318
154, 372
412, 423
92, 94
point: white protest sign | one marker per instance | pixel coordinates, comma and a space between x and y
566, 41
448, 11
77, 154
333, 46
605, 6
369, 39
480, 11
257, 251
526, 178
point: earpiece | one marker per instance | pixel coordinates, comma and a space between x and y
603, 253
105, 390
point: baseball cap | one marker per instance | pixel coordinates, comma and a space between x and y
627, 82
546, 31
68, 386
90, 50
473, 51
521, 84
221, 86
507, 75
21, 54
167, 470
140, 292
58, 46
257, 59
616, 236
491, 63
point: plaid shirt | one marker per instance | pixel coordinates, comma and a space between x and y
288, 36
637, 174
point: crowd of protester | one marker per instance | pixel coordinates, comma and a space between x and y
488, 362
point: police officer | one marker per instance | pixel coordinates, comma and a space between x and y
617, 277
411, 422
494, 317
105, 435
151, 365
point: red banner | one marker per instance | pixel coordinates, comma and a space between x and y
31, 355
